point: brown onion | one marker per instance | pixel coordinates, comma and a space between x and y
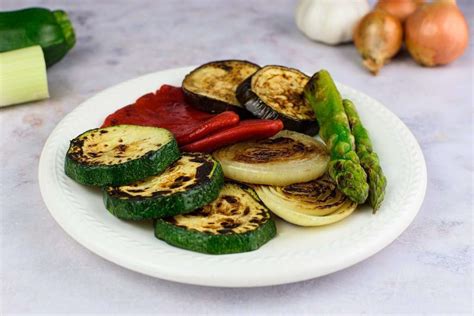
401, 9
378, 37
437, 33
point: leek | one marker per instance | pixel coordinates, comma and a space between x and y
23, 76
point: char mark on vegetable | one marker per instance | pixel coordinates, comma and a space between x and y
274, 149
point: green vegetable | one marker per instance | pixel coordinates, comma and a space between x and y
344, 167
235, 222
22, 76
368, 158
119, 154
189, 183
51, 30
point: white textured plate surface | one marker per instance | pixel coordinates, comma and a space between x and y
295, 254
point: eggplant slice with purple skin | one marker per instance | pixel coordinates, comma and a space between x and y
211, 87
276, 92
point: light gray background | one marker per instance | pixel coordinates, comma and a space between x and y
428, 269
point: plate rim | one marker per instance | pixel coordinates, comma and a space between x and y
191, 278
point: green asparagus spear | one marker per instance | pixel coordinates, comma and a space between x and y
344, 167
368, 158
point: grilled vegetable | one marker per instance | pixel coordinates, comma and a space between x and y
166, 108
119, 154
189, 183
368, 158
276, 92
321, 93
235, 222
245, 130
51, 30
222, 121
211, 87
286, 158
313, 203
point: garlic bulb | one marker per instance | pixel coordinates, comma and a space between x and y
330, 21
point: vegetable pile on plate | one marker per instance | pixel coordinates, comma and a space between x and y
210, 161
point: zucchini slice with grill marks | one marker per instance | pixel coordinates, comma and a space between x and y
119, 154
235, 222
211, 87
313, 203
189, 183
276, 92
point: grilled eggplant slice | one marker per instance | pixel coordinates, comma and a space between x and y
286, 158
190, 182
235, 222
211, 87
276, 92
313, 203
119, 154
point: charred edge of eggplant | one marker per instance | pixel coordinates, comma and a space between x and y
254, 105
226, 61
214, 106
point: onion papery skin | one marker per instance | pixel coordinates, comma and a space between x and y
401, 9
436, 34
378, 37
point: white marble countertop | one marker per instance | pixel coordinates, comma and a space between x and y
427, 269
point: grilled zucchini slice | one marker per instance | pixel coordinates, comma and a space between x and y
189, 183
211, 87
235, 222
276, 92
119, 154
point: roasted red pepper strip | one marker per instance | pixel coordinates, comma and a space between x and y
167, 109
220, 121
245, 130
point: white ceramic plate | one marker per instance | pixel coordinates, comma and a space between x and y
295, 254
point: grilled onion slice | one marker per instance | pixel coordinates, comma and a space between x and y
313, 203
286, 158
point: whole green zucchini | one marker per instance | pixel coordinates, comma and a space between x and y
51, 30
